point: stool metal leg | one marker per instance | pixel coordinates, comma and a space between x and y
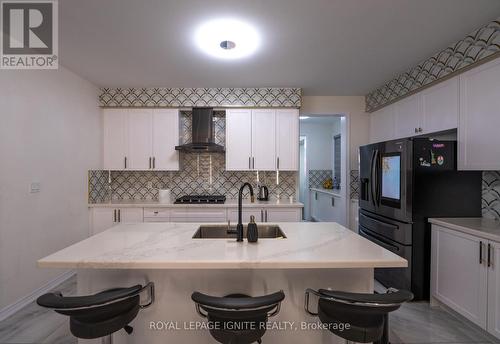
107, 340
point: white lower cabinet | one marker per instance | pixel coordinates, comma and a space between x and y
197, 215
465, 277
494, 289
326, 207
266, 215
104, 218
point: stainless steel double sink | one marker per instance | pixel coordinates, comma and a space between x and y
229, 232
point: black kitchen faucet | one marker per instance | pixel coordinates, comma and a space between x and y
239, 226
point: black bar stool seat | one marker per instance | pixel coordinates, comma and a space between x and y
238, 318
366, 314
101, 314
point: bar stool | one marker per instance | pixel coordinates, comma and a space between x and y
237, 318
366, 314
101, 314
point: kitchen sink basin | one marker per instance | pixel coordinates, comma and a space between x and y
225, 232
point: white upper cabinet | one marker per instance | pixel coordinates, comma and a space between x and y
238, 139
165, 138
141, 139
494, 289
115, 139
408, 120
287, 140
479, 120
382, 126
439, 109
264, 139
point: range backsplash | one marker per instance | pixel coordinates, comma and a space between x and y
199, 174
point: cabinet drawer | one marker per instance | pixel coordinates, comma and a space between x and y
198, 215
159, 212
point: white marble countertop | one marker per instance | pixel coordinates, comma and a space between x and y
478, 226
333, 192
230, 203
171, 246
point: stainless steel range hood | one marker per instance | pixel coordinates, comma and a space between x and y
203, 133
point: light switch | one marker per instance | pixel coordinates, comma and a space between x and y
35, 187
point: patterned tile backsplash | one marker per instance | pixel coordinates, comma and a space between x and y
317, 177
354, 184
199, 174
491, 194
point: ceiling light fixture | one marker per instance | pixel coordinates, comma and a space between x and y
227, 39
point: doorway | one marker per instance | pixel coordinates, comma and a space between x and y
323, 166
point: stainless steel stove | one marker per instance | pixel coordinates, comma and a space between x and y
201, 199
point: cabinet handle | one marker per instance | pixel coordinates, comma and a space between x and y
114, 215
253, 163
333, 201
489, 256
249, 163
125, 160
316, 196
149, 162
278, 163
119, 215
266, 214
416, 130
154, 162
420, 130
261, 215
480, 253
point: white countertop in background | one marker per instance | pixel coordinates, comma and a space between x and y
230, 203
333, 192
170, 246
478, 226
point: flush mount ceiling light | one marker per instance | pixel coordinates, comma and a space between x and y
227, 39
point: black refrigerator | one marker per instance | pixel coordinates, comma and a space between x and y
402, 184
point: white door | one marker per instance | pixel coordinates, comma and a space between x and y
264, 139
382, 126
130, 215
102, 219
283, 214
115, 138
165, 138
287, 140
140, 139
408, 117
238, 139
479, 120
440, 106
459, 278
494, 290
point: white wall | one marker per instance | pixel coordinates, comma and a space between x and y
319, 153
50, 132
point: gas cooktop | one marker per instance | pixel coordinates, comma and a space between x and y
200, 199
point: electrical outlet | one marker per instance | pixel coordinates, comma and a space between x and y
149, 185
35, 187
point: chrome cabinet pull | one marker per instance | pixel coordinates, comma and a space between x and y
253, 163
114, 215
333, 201
154, 162
119, 215
261, 215
125, 160
149, 162
316, 196
278, 163
266, 214
480, 253
249, 163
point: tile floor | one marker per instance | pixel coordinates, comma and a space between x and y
415, 323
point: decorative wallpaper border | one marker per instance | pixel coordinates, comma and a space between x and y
480, 44
189, 97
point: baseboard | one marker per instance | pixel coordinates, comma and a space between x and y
26, 300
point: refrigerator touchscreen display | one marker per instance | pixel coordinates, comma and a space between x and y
391, 177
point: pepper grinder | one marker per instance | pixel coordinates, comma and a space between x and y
252, 231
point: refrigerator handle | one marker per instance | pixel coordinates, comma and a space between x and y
372, 178
377, 169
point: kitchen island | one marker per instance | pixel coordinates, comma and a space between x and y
313, 255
